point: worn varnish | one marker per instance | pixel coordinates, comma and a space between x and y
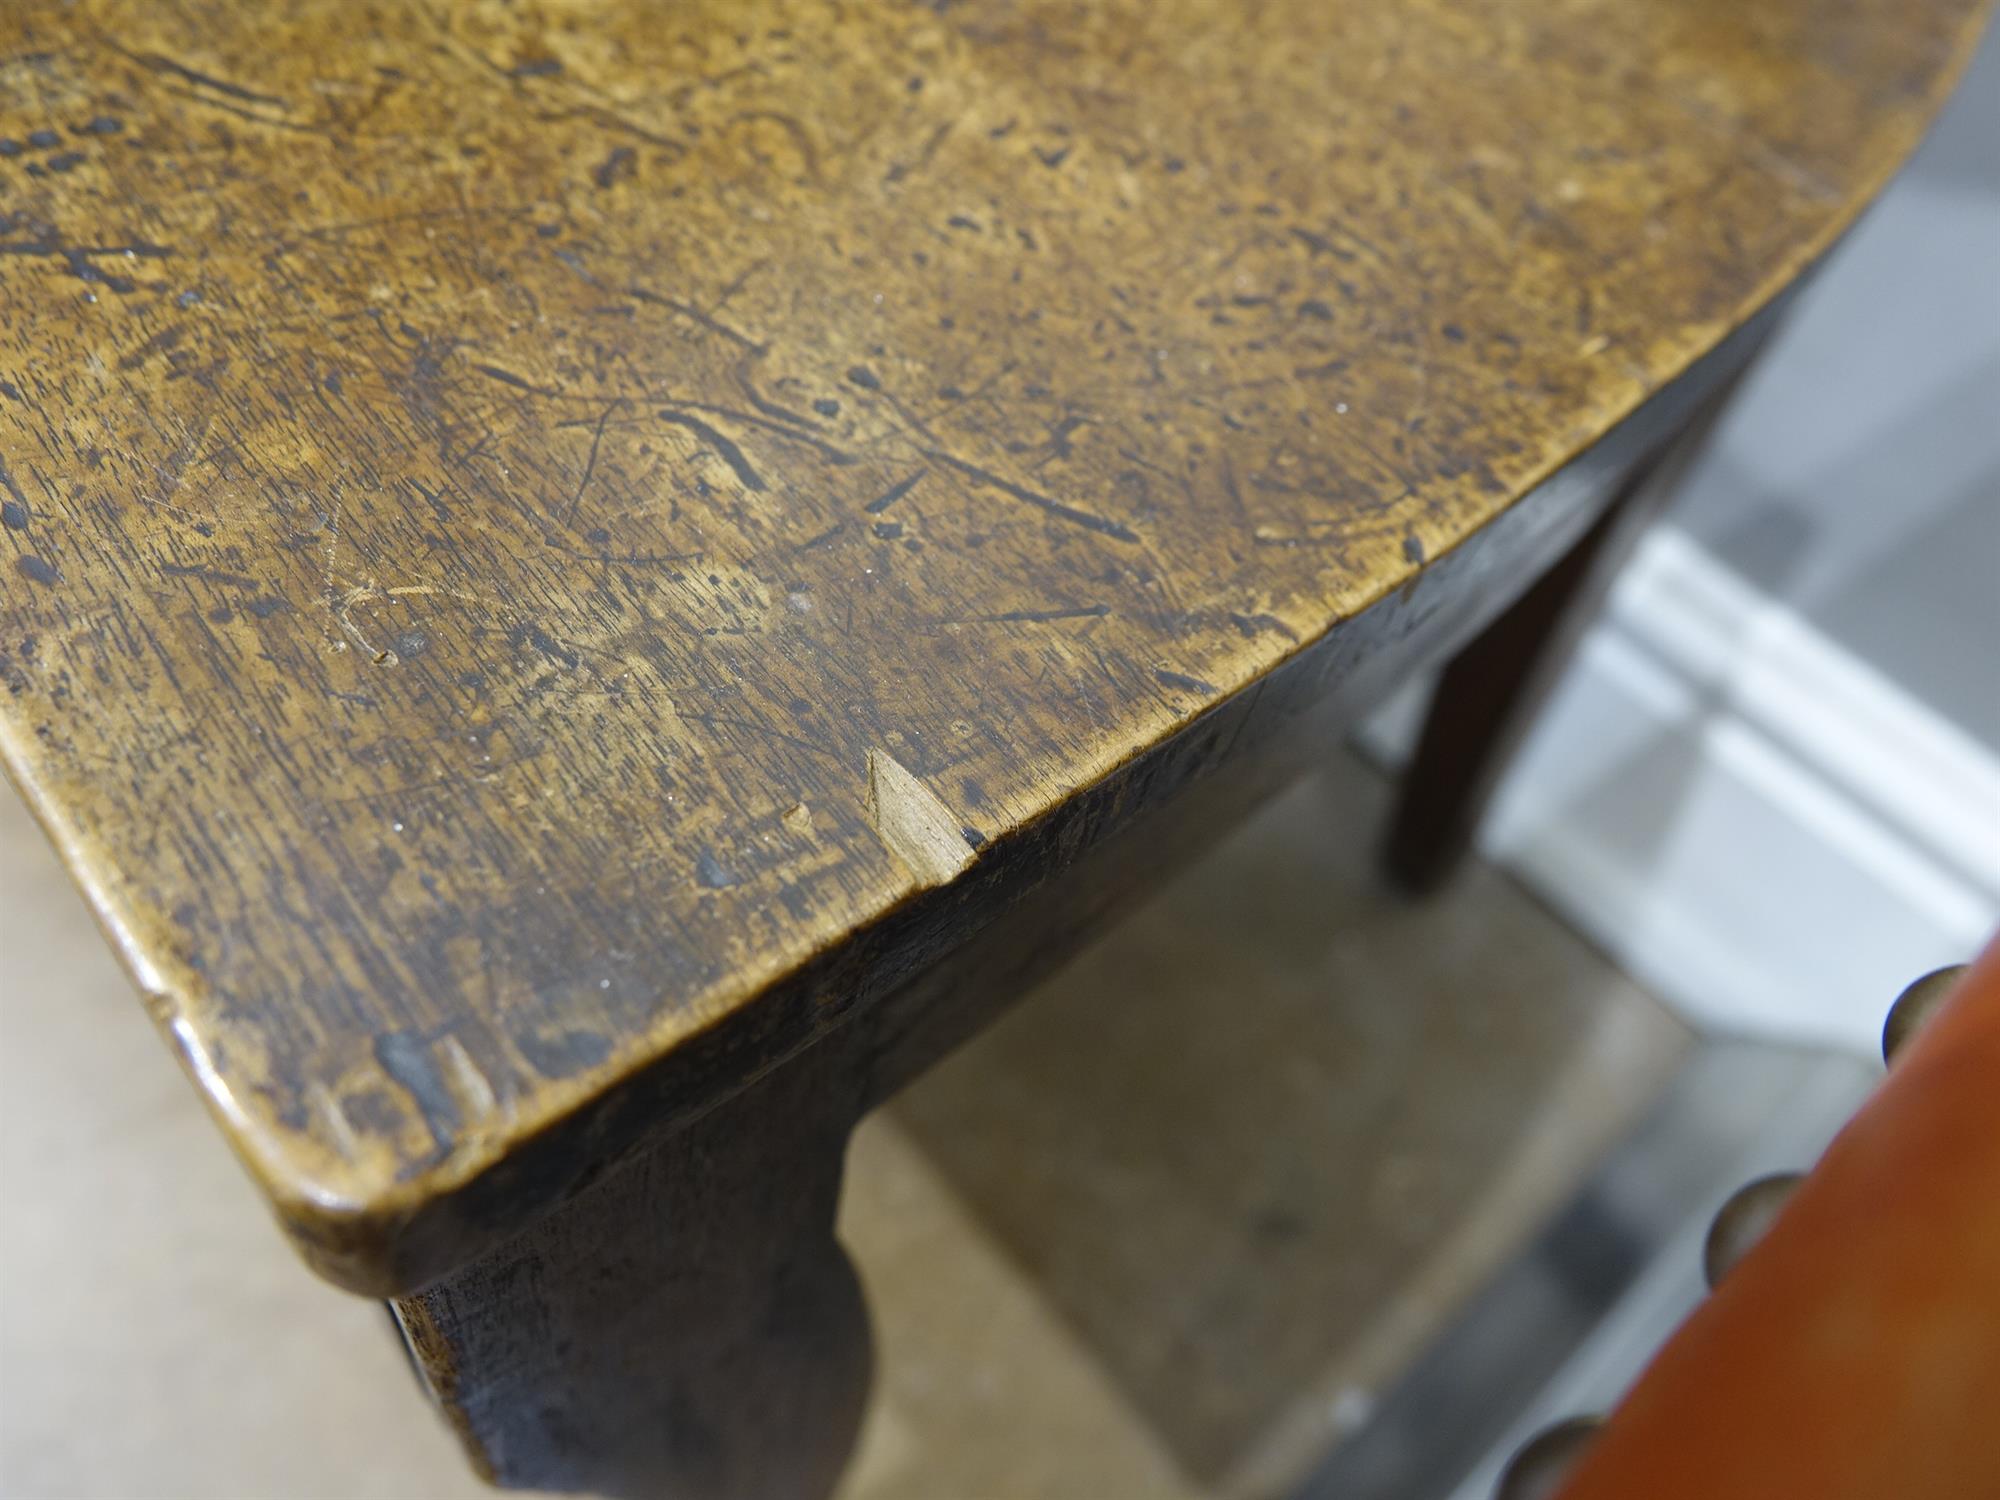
530, 529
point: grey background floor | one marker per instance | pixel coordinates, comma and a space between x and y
1165, 1231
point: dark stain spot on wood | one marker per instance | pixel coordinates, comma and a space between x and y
43, 139
528, 633
34, 569
263, 609
864, 377
712, 873
623, 162
1413, 548
888, 531
372, 1111
564, 1054
81, 267
973, 837
14, 515
406, 1058
826, 406
13, 488
536, 67
102, 125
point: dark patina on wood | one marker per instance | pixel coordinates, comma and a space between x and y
687, 1328
553, 553
584, 1353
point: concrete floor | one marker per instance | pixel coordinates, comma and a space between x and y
1162, 1232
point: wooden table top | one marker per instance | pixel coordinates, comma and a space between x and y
526, 523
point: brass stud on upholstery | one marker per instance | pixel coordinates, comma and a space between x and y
1538, 1470
1916, 1005
1741, 1222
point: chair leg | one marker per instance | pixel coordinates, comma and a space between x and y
687, 1329
1489, 694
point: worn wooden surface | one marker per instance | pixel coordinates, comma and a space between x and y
531, 530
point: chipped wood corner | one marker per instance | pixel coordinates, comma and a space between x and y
915, 825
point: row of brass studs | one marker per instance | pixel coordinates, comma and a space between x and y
1538, 1469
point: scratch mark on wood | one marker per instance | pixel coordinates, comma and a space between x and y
761, 731
321, 1101
160, 343
891, 495
1250, 626
727, 450
1184, 682
694, 315
1030, 616
469, 1084
590, 463
158, 64
1089, 522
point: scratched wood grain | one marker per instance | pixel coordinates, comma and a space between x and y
527, 524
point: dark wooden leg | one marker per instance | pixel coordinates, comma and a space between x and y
1490, 692
686, 1329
